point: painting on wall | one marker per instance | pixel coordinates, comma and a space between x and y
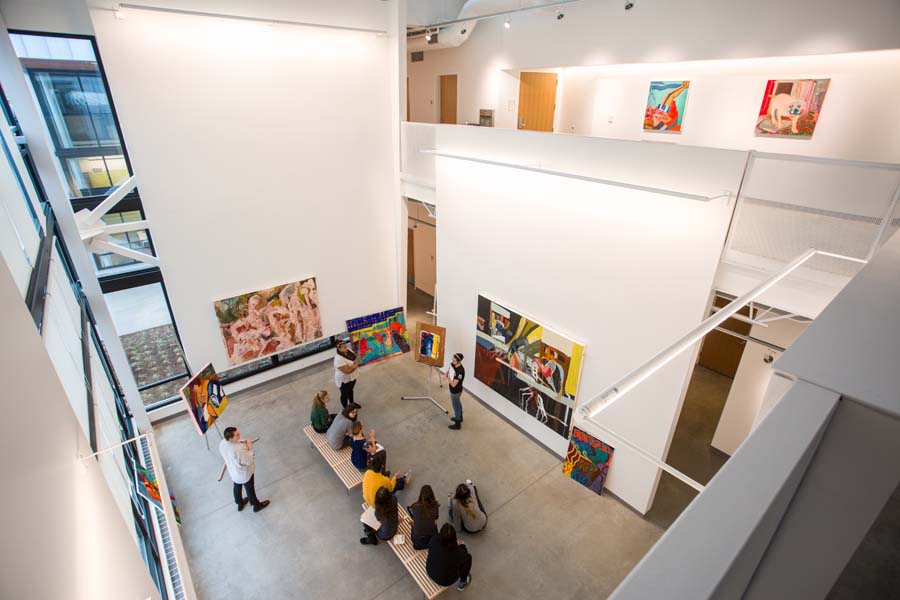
791, 107
205, 398
146, 486
271, 320
533, 367
379, 336
666, 106
430, 344
587, 460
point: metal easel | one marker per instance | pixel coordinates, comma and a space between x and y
431, 368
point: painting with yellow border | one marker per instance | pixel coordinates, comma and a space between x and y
532, 366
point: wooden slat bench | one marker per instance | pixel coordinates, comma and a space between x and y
338, 460
414, 560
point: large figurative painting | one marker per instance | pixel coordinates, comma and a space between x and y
430, 344
205, 398
268, 321
791, 107
666, 104
587, 460
379, 336
533, 367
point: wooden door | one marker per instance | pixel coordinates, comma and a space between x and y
537, 101
448, 99
410, 257
722, 352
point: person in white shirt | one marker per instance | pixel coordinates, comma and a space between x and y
346, 364
241, 463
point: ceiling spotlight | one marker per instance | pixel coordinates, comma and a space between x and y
560, 15
629, 4
508, 23
427, 35
117, 12
463, 31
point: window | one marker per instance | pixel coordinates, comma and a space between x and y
66, 78
134, 240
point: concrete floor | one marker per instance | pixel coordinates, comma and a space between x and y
547, 537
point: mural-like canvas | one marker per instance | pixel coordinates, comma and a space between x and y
205, 398
532, 366
146, 486
379, 336
791, 107
430, 344
587, 460
270, 320
666, 106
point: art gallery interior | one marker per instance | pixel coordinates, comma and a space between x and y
661, 234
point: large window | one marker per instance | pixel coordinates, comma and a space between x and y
74, 101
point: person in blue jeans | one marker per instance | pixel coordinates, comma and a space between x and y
454, 376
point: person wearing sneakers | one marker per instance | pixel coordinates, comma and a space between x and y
454, 377
448, 559
376, 478
241, 464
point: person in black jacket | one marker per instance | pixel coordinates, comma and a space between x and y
424, 514
448, 559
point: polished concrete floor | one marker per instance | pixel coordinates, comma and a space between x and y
548, 537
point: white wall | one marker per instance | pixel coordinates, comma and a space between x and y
64, 535
725, 95
264, 155
751, 384
624, 271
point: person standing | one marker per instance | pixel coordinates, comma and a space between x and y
346, 364
241, 464
454, 376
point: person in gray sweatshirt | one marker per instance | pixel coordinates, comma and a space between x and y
466, 511
339, 433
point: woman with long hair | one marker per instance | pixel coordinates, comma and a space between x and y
339, 432
424, 513
319, 416
387, 514
448, 559
466, 511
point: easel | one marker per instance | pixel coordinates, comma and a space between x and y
431, 368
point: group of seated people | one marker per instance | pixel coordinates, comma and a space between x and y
448, 559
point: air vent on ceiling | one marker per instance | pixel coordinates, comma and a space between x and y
417, 56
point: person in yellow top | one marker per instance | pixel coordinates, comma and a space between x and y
376, 478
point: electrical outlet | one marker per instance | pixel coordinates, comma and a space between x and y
609, 119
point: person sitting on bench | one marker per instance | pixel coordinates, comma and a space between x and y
319, 417
448, 559
387, 514
362, 449
339, 431
466, 511
424, 513
376, 478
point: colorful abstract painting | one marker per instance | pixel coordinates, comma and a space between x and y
146, 486
587, 460
666, 106
270, 320
430, 344
532, 366
205, 398
379, 336
791, 107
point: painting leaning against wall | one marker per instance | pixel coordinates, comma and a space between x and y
270, 320
533, 367
587, 460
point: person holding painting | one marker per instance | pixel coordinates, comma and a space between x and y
454, 377
346, 364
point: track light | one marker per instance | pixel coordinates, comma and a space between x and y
507, 23
629, 4
560, 15
427, 35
